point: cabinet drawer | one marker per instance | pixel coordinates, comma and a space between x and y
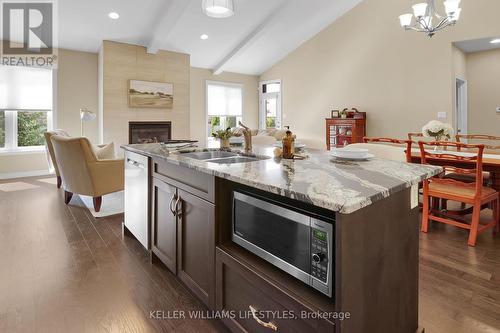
195, 182
239, 289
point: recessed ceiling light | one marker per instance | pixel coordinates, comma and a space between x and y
204, 36
495, 41
114, 15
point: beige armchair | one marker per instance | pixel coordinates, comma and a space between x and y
50, 149
105, 151
83, 172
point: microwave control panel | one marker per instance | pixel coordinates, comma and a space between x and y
319, 251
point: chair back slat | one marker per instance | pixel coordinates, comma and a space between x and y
413, 135
482, 138
398, 142
475, 159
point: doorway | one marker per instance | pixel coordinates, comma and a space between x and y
461, 105
270, 104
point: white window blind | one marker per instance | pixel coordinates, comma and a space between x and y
25, 88
224, 99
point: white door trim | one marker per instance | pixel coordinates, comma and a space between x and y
460, 105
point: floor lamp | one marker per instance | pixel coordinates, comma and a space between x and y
85, 116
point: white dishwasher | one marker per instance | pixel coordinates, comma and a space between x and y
137, 197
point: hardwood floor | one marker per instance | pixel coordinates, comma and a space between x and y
62, 270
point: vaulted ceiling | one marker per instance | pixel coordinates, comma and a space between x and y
260, 34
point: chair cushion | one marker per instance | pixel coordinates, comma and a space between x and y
468, 178
105, 152
279, 134
455, 190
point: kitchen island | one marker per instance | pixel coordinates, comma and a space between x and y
364, 277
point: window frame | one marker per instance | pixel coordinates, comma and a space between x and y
11, 132
11, 140
226, 84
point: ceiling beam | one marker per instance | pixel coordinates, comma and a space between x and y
250, 38
174, 11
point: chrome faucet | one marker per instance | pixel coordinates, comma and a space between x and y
247, 135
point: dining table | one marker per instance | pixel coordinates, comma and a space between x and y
491, 163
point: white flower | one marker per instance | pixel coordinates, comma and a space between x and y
438, 130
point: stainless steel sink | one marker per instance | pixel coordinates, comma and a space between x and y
221, 157
208, 155
236, 159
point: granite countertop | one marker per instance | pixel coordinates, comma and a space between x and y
340, 186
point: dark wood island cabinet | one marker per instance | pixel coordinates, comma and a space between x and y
183, 224
375, 247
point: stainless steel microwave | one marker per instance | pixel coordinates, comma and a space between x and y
299, 244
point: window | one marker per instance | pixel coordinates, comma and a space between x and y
224, 106
25, 107
270, 105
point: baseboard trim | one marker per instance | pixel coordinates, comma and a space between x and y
14, 175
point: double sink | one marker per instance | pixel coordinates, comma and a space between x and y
221, 157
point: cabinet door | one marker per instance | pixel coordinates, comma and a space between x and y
164, 224
196, 245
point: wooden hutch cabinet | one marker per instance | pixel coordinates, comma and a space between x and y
344, 131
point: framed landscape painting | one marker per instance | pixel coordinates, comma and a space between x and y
147, 94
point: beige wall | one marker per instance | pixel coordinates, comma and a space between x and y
483, 83
459, 62
366, 60
76, 88
198, 99
122, 62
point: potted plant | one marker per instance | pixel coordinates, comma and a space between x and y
223, 136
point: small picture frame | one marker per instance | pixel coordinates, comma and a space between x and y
335, 113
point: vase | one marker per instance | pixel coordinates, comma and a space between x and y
438, 149
224, 144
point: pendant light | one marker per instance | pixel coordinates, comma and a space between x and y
218, 8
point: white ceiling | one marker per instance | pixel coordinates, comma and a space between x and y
477, 45
261, 32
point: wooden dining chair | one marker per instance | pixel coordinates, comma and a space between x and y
474, 193
415, 136
405, 144
491, 143
493, 147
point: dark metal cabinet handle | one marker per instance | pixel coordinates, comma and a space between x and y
170, 205
178, 212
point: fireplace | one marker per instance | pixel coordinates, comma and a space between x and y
149, 131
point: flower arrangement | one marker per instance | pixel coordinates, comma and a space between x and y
223, 136
437, 130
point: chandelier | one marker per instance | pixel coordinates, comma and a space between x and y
428, 20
